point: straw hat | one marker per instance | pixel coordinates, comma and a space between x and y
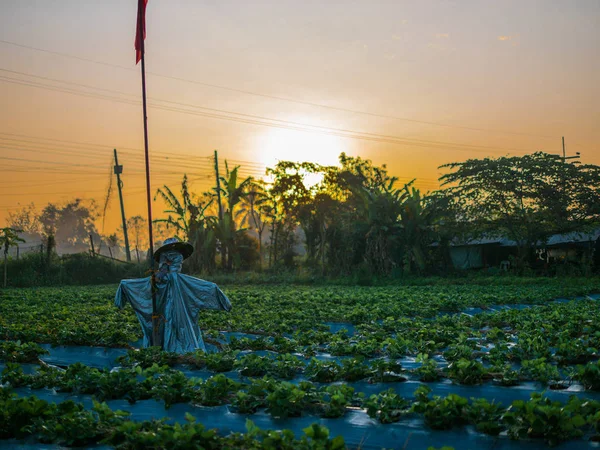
174, 244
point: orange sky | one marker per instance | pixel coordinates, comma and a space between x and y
442, 81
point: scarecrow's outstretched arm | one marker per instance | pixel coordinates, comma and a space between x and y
135, 291
205, 295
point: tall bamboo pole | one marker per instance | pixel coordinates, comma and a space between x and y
156, 336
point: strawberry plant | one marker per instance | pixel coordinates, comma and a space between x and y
428, 371
387, 406
441, 413
574, 351
289, 400
14, 376
146, 357
220, 362
354, 369
486, 416
173, 387
13, 352
506, 376
398, 347
467, 372
245, 403
589, 375
542, 418
323, 371
335, 399
286, 367
215, 391
252, 365
383, 371
540, 370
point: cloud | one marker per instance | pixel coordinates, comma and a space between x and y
513, 38
442, 35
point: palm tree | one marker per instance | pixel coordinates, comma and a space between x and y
9, 237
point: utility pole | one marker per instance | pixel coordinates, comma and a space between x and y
218, 186
118, 172
565, 157
93, 251
223, 250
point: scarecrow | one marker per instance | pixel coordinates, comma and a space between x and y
179, 299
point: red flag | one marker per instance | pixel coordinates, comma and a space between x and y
140, 31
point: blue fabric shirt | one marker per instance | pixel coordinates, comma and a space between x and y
179, 299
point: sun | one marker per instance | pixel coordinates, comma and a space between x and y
299, 146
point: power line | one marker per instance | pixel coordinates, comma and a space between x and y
252, 168
285, 99
157, 154
105, 146
131, 161
275, 123
43, 148
78, 192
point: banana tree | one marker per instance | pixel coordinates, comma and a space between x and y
417, 218
190, 220
380, 208
178, 211
232, 192
9, 237
202, 235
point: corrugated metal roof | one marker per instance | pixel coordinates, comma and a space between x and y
484, 240
556, 239
574, 237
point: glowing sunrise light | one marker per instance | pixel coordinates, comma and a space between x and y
299, 146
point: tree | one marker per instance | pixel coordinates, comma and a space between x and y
254, 213
69, 226
291, 206
202, 236
418, 217
189, 217
526, 198
9, 237
380, 210
363, 226
27, 220
138, 226
112, 242
179, 211
232, 192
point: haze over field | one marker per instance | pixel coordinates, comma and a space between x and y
411, 84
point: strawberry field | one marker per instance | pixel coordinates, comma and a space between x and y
497, 364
